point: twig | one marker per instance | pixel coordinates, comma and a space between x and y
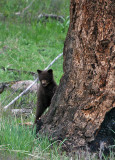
6, 107
19, 13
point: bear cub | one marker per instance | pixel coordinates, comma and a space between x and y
46, 91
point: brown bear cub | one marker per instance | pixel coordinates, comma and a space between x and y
46, 91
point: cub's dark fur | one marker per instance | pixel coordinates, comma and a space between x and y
46, 91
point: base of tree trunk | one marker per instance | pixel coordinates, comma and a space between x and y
82, 111
104, 137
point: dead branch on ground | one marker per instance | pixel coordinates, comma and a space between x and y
19, 71
52, 16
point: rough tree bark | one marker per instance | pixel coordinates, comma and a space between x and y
87, 89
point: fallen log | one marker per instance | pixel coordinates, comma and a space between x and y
22, 85
6, 84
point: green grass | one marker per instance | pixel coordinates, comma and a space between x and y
25, 43
31, 47
59, 7
28, 48
28, 45
20, 142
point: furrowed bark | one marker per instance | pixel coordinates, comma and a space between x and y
87, 89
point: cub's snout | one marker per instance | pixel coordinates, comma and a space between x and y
44, 83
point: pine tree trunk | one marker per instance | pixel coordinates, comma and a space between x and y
87, 89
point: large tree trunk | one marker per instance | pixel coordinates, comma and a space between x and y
87, 89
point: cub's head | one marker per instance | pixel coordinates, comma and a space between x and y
45, 77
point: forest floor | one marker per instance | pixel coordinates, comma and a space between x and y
28, 44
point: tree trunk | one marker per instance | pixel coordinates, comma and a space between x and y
87, 89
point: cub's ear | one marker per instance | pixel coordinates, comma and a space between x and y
50, 71
39, 71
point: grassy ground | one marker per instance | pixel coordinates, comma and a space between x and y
28, 45
20, 143
58, 7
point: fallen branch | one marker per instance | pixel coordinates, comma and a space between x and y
54, 61
52, 16
6, 107
19, 71
8, 83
